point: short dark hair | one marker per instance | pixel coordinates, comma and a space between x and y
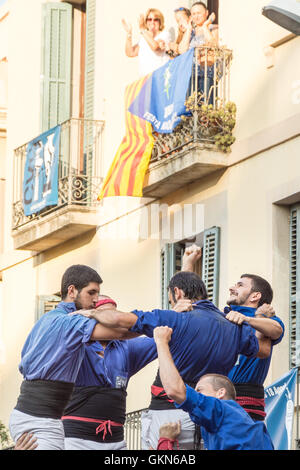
202, 4
184, 10
191, 284
259, 284
221, 381
79, 276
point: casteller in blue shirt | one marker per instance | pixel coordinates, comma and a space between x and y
203, 340
225, 425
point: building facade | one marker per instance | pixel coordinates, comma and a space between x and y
242, 207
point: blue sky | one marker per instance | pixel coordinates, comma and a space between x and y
2, 2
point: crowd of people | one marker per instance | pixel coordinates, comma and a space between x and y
78, 359
156, 47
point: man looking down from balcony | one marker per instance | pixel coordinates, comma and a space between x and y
151, 48
51, 358
95, 415
250, 301
224, 423
203, 341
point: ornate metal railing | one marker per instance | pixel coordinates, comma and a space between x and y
133, 430
80, 171
211, 114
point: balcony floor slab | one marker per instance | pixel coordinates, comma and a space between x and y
53, 229
185, 167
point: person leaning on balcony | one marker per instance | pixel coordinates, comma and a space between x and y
250, 301
224, 423
95, 415
201, 32
203, 341
182, 16
51, 358
151, 48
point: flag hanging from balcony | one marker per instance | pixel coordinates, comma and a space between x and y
40, 183
127, 171
161, 101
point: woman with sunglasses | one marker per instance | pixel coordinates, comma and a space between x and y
151, 48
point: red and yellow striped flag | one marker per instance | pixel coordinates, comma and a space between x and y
127, 171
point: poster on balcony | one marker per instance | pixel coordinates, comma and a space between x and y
279, 407
161, 101
40, 183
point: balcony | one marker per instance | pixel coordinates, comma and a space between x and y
199, 145
79, 181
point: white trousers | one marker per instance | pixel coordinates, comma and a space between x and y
73, 443
151, 420
49, 432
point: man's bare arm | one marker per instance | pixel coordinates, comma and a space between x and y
268, 327
110, 318
169, 375
100, 332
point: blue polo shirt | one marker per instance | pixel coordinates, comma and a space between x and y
252, 370
55, 347
203, 340
120, 361
225, 425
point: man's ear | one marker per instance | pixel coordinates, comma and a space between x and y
221, 393
255, 297
72, 292
179, 294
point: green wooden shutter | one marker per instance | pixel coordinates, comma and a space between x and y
294, 319
211, 263
89, 90
56, 64
171, 256
90, 59
46, 303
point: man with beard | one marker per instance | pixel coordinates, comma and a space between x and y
250, 302
51, 358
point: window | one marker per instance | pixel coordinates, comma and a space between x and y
56, 64
294, 320
207, 267
46, 303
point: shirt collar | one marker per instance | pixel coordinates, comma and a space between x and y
249, 311
67, 307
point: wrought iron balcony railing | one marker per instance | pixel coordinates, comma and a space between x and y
80, 171
212, 115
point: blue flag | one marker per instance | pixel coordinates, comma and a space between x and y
162, 98
40, 183
279, 406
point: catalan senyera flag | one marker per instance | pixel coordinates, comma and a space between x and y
127, 171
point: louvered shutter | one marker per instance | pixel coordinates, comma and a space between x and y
294, 287
56, 64
46, 303
171, 257
89, 85
211, 263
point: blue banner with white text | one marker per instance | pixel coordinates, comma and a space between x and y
279, 406
40, 183
161, 101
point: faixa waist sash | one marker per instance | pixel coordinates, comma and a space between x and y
159, 398
44, 398
251, 398
96, 414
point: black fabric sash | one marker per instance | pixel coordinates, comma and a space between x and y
251, 398
44, 398
99, 404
